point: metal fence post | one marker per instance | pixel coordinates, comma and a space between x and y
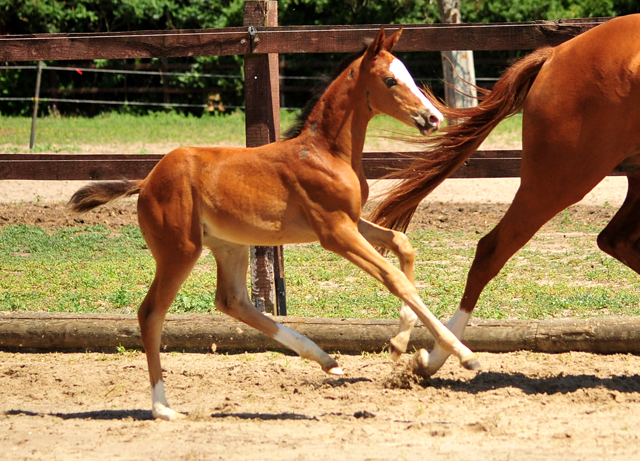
35, 106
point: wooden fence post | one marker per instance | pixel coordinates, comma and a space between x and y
262, 103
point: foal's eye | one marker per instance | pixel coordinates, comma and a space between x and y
390, 81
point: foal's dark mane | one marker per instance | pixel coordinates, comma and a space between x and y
317, 91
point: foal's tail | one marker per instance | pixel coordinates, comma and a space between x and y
99, 193
447, 151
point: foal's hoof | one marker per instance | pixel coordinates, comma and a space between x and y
471, 363
420, 365
166, 414
336, 371
395, 351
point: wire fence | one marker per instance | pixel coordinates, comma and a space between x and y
126, 102
211, 105
160, 73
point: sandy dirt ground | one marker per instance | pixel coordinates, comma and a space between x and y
611, 190
270, 406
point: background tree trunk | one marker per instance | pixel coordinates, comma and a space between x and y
458, 66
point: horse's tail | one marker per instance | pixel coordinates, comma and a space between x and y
447, 151
99, 193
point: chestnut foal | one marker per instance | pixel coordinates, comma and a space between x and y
308, 188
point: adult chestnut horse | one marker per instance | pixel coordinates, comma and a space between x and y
305, 189
581, 120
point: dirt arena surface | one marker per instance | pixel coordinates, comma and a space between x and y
271, 406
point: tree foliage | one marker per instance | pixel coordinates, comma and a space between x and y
67, 16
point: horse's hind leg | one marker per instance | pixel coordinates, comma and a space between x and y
398, 243
532, 207
233, 299
621, 237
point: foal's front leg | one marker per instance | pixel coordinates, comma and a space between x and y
398, 243
342, 237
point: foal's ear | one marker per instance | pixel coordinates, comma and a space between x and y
377, 45
391, 40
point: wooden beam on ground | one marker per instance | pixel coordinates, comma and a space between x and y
42, 331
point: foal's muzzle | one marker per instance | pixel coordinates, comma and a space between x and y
427, 121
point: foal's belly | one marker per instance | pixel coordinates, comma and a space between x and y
255, 231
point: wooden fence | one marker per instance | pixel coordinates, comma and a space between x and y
260, 41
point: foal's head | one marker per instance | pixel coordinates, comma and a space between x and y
390, 89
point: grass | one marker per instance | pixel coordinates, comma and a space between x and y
87, 269
146, 134
73, 134
125, 131
90, 269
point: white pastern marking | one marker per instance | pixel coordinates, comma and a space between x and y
303, 346
438, 355
306, 348
401, 73
458, 322
157, 394
160, 407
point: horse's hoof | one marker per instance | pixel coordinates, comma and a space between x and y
336, 371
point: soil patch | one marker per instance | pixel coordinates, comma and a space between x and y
274, 406
429, 216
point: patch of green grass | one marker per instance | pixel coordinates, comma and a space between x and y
507, 135
87, 269
541, 281
91, 269
130, 134
71, 134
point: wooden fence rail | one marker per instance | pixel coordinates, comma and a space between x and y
97, 167
260, 41
287, 39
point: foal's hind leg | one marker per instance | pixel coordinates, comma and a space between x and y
174, 240
398, 243
172, 269
621, 237
232, 299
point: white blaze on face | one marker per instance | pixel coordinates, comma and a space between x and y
401, 74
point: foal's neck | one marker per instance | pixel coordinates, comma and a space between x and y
338, 123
